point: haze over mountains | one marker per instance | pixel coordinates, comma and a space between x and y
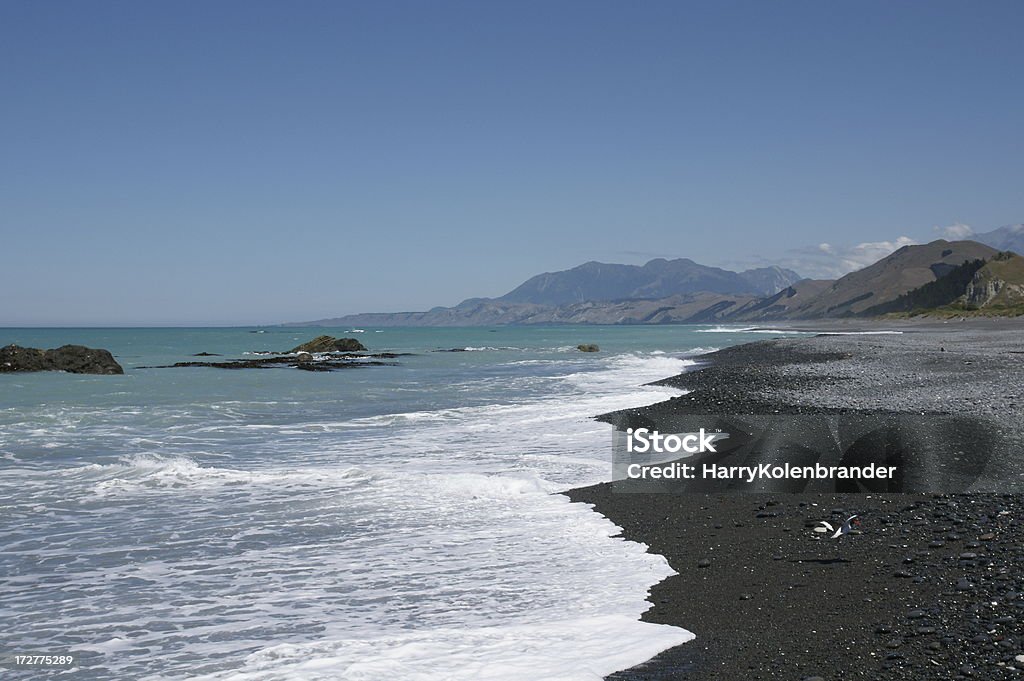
1008, 238
681, 290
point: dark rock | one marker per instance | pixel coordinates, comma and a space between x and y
206, 354
703, 563
330, 344
587, 347
74, 359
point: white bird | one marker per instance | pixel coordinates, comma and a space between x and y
845, 529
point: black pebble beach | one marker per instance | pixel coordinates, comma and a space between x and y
931, 586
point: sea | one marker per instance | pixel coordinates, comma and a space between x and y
378, 522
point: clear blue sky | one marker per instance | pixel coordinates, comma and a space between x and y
237, 162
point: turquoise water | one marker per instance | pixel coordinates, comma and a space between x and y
376, 522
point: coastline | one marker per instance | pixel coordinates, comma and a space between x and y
930, 588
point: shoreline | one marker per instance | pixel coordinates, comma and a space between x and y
932, 586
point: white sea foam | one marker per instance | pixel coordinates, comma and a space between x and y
604, 644
749, 329
700, 351
418, 545
761, 329
861, 333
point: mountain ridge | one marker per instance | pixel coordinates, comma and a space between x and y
875, 289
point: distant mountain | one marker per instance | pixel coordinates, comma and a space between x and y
1008, 238
659, 278
767, 281
950, 275
689, 307
906, 269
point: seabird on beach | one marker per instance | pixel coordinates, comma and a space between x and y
845, 529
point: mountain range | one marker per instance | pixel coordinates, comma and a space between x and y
1008, 238
955, 275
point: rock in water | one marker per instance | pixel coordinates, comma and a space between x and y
74, 359
330, 344
587, 347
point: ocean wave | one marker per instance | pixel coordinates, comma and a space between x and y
512, 653
140, 473
424, 544
750, 329
860, 333
699, 350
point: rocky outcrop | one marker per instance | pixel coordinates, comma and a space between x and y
981, 290
999, 283
587, 347
302, 360
74, 359
330, 344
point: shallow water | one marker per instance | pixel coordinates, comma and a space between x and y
381, 522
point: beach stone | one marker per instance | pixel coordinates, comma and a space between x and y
915, 614
588, 347
703, 563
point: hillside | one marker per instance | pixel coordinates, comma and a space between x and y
785, 303
894, 275
998, 285
945, 290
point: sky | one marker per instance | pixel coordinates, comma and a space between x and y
264, 162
